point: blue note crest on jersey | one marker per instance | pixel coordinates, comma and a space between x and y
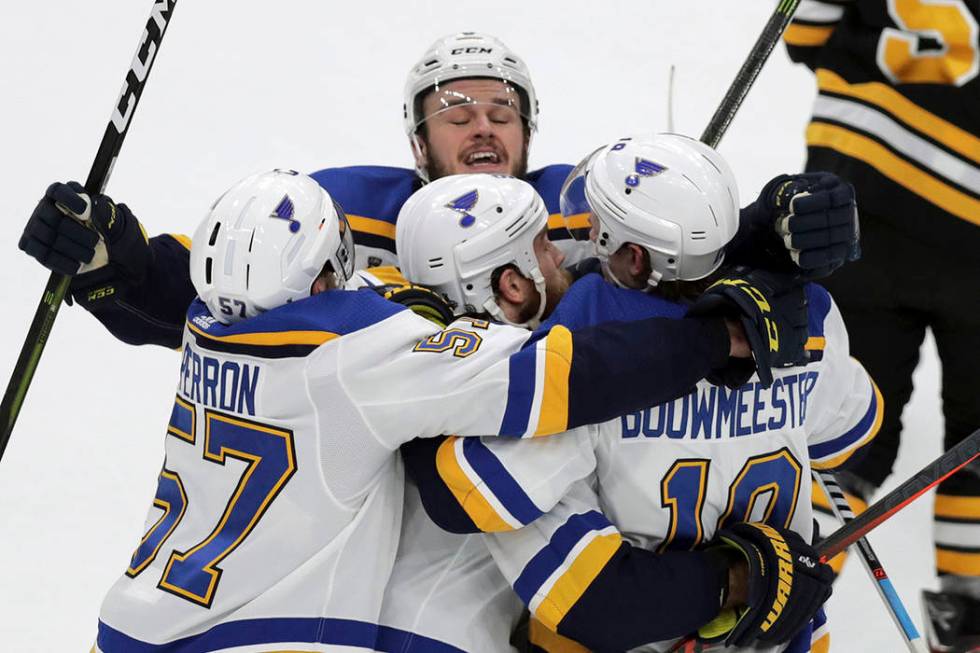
285, 211
463, 204
643, 168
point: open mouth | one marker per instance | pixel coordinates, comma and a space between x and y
482, 158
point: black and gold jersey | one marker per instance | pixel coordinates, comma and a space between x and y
898, 109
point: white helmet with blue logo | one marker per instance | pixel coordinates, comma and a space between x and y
265, 241
452, 234
670, 194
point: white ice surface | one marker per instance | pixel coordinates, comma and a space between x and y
240, 87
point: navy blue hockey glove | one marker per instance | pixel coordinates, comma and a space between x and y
772, 308
787, 584
98, 242
806, 224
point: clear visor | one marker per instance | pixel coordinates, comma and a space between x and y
343, 259
502, 105
575, 209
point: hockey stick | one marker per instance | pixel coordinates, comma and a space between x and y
105, 158
842, 510
743, 81
927, 478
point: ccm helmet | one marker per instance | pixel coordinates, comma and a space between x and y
265, 241
466, 55
453, 233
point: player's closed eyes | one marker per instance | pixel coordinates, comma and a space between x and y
462, 115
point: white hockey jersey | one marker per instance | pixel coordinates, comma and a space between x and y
279, 503
667, 477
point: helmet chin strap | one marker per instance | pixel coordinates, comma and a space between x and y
655, 275
534, 322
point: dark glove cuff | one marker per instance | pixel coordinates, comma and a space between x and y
721, 558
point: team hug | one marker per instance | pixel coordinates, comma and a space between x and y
473, 407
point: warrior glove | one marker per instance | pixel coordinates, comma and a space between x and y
787, 584
93, 239
772, 309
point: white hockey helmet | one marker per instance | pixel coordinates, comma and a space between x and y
466, 55
265, 241
453, 233
672, 195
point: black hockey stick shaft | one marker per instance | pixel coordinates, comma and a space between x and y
743, 81
927, 478
105, 158
872, 564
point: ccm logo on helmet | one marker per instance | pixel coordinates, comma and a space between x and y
473, 49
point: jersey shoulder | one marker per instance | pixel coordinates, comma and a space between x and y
819, 305
369, 192
377, 277
295, 329
591, 300
548, 182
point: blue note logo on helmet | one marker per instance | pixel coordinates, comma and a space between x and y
285, 211
463, 204
644, 168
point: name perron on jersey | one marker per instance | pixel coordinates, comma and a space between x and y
279, 505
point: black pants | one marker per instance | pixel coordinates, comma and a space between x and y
888, 298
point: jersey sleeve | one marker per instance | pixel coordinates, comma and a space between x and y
581, 579
844, 406
153, 312
478, 378
487, 484
812, 26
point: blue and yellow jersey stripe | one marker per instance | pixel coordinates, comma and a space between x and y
538, 393
818, 307
549, 641
820, 635
291, 330
557, 576
289, 631
491, 497
387, 275
834, 453
372, 197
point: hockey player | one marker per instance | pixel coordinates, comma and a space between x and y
896, 115
279, 503
674, 476
469, 106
